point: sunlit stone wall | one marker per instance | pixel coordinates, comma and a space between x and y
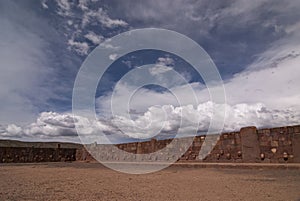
272, 145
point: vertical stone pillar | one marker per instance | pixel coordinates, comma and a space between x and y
250, 144
153, 145
139, 149
296, 147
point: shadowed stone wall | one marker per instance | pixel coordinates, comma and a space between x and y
31, 154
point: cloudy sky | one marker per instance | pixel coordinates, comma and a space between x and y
254, 44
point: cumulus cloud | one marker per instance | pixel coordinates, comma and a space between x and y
151, 112
167, 119
13, 130
158, 121
52, 126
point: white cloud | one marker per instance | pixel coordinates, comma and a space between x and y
107, 44
113, 57
102, 17
166, 61
159, 69
77, 23
83, 4
168, 118
64, 7
96, 39
52, 126
70, 22
201, 19
277, 87
148, 107
44, 4
273, 78
164, 120
13, 129
162, 66
81, 48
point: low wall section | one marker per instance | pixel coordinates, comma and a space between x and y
31, 154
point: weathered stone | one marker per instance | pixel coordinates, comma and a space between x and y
250, 144
264, 143
287, 142
290, 129
267, 131
274, 143
297, 129
296, 147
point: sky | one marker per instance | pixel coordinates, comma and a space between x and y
255, 46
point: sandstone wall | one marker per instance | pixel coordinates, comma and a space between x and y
272, 145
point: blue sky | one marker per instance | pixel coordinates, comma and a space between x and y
254, 44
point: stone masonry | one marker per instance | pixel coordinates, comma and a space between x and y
271, 145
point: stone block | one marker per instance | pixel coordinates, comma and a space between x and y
296, 129
274, 143
250, 144
290, 129
296, 147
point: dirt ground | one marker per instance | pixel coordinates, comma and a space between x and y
89, 181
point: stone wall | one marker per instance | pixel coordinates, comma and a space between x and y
32, 154
272, 145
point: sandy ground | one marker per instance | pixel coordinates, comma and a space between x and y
88, 181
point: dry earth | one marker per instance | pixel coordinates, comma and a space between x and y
91, 181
